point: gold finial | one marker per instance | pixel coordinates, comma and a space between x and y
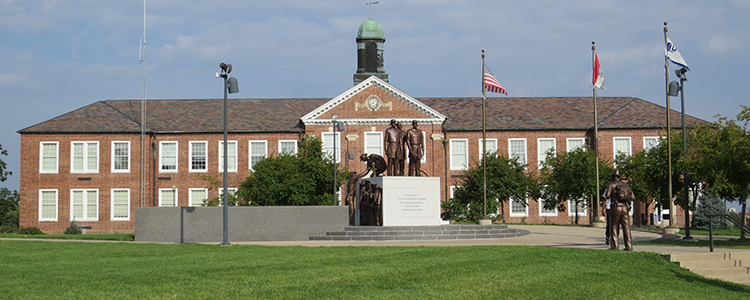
665, 26
593, 45
482, 53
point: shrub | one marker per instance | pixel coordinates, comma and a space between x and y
30, 230
73, 228
9, 228
709, 205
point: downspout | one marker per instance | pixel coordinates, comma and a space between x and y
153, 166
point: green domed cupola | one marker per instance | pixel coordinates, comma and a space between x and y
370, 40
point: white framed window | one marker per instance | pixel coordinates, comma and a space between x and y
650, 142
491, 145
48, 205
84, 204
120, 156
544, 212
168, 157
453, 190
517, 150
258, 151
459, 149
622, 145
232, 191
198, 156
231, 156
544, 145
168, 198
120, 200
48, 154
198, 196
582, 208
328, 139
575, 143
374, 143
84, 157
288, 146
519, 208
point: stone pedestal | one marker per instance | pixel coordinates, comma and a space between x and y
671, 230
408, 201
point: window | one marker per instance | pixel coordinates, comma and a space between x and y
47, 205
168, 157
48, 153
517, 150
168, 197
582, 208
120, 204
575, 143
374, 143
491, 147
544, 212
232, 191
84, 205
328, 144
288, 146
121, 157
231, 156
198, 196
543, 146
622, 145
84, 157
518, 208
650, 142
198, 156
459, 154
258, 151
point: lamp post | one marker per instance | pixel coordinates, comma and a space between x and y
340, 126
231, 87
674, 88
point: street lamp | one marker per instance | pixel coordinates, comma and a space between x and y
231, 87
340, 126
675, 88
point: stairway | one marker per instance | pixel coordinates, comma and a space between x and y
730, 266
420, 233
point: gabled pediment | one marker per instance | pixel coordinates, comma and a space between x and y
373, 101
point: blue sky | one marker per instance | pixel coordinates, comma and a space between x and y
57, 56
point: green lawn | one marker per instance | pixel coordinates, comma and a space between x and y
106, 237
79, 270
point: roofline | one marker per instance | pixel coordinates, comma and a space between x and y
162, 132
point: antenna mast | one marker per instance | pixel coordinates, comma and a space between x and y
142, 59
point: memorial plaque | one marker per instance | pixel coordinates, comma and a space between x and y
409, 201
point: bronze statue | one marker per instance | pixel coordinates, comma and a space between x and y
370, 204
402, 152
414, 140
375, 163
621, 196
351, 194
392, 145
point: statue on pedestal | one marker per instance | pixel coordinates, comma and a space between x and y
392, 143
414, 140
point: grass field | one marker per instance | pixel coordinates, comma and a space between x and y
80, 270
106, 237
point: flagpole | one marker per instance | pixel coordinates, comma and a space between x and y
484, 141
671, 228
597, 206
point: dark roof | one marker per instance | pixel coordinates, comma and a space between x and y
553, 113
283, 115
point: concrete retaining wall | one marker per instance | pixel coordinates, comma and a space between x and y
250, 223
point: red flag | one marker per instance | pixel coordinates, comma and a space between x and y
491, 84
598, 80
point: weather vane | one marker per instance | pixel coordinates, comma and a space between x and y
371, 3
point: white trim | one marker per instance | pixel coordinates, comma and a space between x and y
112, 216
250, 151
481, 147
337, 145
567, 143
288, 141
542, 155
190, 157
191, 201
112, 159
510, 208
232, 191
236, 161
571, 209
525, 149
456, 165
86, 168
176, 198
379, 139
41, 158
57, 205
85, 205
545, 214
614, 145
657, 138
176, 156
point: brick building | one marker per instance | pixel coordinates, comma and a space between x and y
87, 164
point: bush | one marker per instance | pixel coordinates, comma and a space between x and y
9, 228
30, 230
73, 228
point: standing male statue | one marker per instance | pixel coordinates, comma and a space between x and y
621, 195
402, 152
414, 141
392, 145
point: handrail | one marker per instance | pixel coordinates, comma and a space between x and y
711, 227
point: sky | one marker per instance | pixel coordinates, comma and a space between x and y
58, 56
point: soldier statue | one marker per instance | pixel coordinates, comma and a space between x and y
621, 196
393, 147
414, 140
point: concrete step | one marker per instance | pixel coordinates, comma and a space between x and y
739, 255
697, 256
723, 266
728, 271
697, 264
420, 233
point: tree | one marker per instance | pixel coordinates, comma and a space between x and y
572, 176
305, 178
3, 172
709, 205
506, 179
9, 208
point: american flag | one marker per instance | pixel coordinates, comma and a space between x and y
491, 84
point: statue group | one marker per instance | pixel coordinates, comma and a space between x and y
396, 143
